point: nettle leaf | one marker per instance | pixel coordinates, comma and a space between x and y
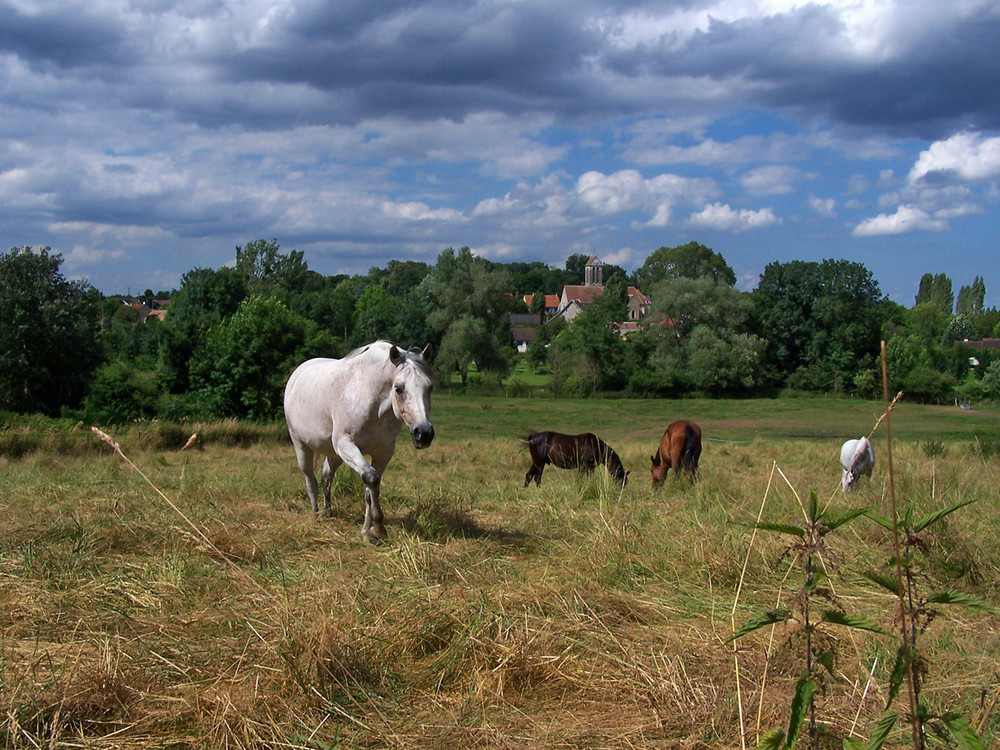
885, 580
825, 658
784, 528
852, 744
837, 521
771, 617
882, 729
897, 676
836, 617
962, 600
960, 730
814, 512
933, 518
884, 521
800, 705
772, 740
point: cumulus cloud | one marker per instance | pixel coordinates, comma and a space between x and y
964, 157
721, 216
823, 206
417, 211
906, 219
772, 180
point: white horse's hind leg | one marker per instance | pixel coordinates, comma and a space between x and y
330, 466
304, 456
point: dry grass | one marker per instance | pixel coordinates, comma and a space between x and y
566, 616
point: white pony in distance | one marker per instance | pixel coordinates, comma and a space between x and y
345, 409
857, 457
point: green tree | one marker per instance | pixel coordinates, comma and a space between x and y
822, 322
690, 261
971, 299
937, 289
125, 337
377, 315
265, 269
241, 369
699, 338
465, 342
991, 379
588, 355
959, 329
206, 297
48, 333
538, 350
120, 393
321, 302
460, 286
928, 322
537, 306
575, 265
402, 277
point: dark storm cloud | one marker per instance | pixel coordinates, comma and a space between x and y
928, 84
427, 59
346, 62
77, 38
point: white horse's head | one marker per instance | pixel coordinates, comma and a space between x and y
412, 383
857, 458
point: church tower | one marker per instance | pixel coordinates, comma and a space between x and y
593, 272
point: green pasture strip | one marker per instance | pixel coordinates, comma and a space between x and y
459, 417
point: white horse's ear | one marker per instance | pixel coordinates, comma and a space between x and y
426, 353
395, 356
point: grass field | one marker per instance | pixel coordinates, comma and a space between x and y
219, 614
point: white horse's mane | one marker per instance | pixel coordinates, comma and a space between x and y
410, 355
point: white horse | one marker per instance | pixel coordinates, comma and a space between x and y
345, 409
857, 457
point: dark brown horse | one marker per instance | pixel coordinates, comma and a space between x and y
680, 446
582, 452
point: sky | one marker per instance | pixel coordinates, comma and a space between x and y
143, 139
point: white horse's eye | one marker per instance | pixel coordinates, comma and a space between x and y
399, 390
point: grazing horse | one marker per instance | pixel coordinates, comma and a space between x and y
582, 452
345, 409
679, 446
857, 457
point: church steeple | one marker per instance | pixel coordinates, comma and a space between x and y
593, 272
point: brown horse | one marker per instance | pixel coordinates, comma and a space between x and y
582, 452
680, 446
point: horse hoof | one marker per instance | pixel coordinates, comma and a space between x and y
375, 534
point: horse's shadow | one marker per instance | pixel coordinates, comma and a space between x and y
434, 522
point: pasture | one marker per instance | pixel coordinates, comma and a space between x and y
571, 615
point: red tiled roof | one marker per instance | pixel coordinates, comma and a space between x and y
584, 294
635, 292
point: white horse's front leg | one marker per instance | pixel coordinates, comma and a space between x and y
373, 509
372, 528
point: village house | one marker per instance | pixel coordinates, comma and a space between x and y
158, 308
551, 303
574, 300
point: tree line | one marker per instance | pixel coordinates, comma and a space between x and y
231, 335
